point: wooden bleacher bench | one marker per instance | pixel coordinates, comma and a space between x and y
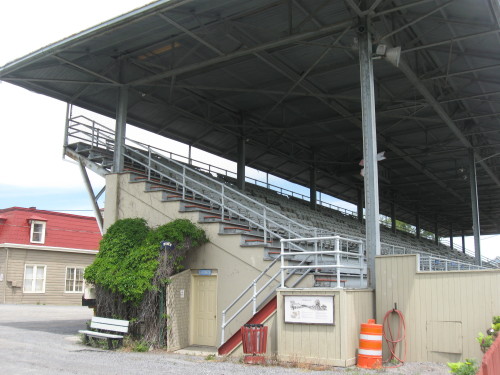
105, 328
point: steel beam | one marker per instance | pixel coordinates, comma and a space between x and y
369, 129
360, 205
417, 225
93, 199
312, 187
451, 236
241, 157
121, 123
393, 217
245, 52
475, 207
436, 232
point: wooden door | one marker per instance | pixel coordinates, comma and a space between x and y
204, 327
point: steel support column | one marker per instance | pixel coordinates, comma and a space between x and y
360, 205
312, 188
121, 123
417, 225
69, 110
369, 151
463, 241
240, 177
436, 230
475, 206
451, 236
393, 217
90, 191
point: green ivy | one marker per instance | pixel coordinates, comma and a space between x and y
128, 257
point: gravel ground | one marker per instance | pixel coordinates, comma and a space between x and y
42, 340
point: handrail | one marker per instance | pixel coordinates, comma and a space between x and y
337, 252
256, 293
433, 264
265, 218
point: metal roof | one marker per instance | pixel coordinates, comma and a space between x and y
284, 75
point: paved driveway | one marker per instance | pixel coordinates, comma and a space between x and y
42, 340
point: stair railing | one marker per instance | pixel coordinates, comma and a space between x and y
161, 162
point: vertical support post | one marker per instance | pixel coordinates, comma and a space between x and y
149, 163
282, 260
90, 192
475, 207
463, 241
69, 109
190, 160
360, 205
265, 226
451, 236
240, 169
369, 150
360, 259
393, 217
162, 314
254, 298
184, 186
436, 231
222, 203
312, 188
337, 256
417, 225
316, 248
121, 123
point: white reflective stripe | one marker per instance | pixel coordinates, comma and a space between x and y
370, 352
371, 337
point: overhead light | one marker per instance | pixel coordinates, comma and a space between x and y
391, 54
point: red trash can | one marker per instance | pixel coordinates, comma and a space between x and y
254, 339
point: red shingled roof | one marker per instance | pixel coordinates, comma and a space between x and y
62, 230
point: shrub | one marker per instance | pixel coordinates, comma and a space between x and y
130, 272
469, 367
485, 341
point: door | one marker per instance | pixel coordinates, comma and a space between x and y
204, 328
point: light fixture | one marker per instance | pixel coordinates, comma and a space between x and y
167, 246
391, 54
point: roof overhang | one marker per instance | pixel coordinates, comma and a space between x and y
284, 76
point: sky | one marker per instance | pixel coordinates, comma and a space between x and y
32, 170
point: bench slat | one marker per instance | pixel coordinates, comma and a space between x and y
108, 327
115, 322
100, 334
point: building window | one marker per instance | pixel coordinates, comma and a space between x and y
34, 279
37, 231
74, 280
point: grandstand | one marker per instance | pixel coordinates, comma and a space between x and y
292, 90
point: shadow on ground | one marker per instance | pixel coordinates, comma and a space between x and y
60, 327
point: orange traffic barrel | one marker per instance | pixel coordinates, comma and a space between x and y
370, 345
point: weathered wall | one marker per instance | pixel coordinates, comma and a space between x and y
56, 263
178, 303
444, 311
325, 344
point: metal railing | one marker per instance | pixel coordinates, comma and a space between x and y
160, 163
286, 271
338, 254
431, 263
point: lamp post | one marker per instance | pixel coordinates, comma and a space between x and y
164, 246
